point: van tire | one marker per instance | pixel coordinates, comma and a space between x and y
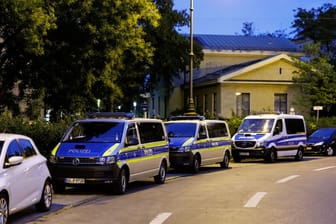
226, 160
299, 155
121, 184
195, 166
270, 156
161, 177
236, 157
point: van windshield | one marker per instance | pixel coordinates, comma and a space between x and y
178, 130
95, 132
255, 125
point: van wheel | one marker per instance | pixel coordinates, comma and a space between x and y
226, 161
329, 151
46, 198
4, 210
195, 166
299, 155
161, 177
236, 157
270, 156
121, 184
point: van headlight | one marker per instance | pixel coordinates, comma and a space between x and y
186, 149
53, 159
319, 144
260, 145
106, 160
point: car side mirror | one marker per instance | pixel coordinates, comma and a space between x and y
14, 161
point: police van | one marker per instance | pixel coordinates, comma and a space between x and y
110, 148
270, 136
195, 141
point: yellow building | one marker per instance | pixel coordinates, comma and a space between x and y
239, 75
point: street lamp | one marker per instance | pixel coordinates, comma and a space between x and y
191, 106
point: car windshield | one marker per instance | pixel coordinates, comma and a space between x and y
322, 134
177, 130
95, 132
256, 125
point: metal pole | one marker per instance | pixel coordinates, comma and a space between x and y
191, 107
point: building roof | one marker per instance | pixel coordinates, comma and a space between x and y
237, 69
235, 42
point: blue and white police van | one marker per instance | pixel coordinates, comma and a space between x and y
195, 141
270, 136
110, 148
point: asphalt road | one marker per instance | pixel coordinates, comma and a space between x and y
247, 192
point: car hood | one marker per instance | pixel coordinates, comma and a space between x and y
83, 150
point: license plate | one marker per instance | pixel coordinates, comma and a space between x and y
244, 153
74, 180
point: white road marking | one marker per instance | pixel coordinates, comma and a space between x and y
160, 218
284, 180
255, 199
325, 168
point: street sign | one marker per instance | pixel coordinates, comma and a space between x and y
317, 108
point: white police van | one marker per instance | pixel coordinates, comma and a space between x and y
195, 141
110, 148
270, 136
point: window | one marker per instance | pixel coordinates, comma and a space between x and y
295, 126
243, 104
14, 149
151, 132
214, 104
131, 135
28, 149
217, 130
280, 102
202, 132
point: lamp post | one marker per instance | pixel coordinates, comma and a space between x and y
191, 106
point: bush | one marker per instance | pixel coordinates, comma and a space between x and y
45, 135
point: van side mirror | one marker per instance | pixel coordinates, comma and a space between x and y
276, 131
132, 141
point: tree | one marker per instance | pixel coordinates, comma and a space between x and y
318, 25
23, 29
248, 29
95, 46
172, 49
316, 80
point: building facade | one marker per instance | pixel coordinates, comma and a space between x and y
239, 75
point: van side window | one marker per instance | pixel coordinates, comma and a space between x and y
216, 130
131, 135
294, 126
278, 127
202, 132
151, 132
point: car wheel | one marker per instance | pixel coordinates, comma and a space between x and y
299, 155
121, 184
329, 151
161, 177
46, 198
3, 209
196, 164
226, 161
270, 156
